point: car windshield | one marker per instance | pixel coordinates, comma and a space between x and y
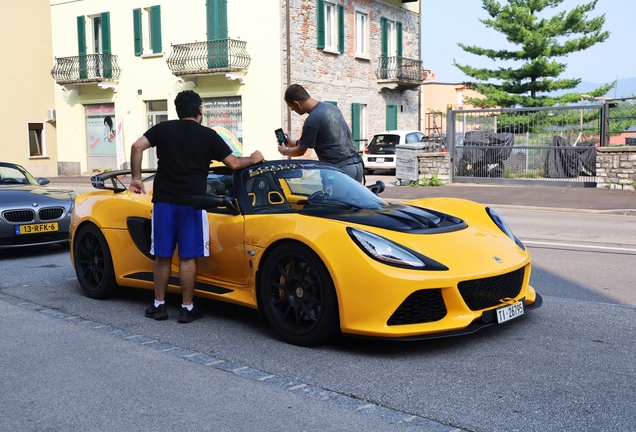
385, 140
286, 186
14, 175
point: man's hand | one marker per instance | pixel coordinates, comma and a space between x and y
137, 186
257, 157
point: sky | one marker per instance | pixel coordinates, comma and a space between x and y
446, 23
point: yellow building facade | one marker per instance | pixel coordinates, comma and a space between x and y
27, 106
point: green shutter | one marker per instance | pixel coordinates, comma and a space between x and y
332, 103
105, 19
137, 31
81, 46
81, 36
391, 117
106, 49
384, 35
341, 34
355, 121
320, 23
384, 61
398, 30
216, 16
155, 18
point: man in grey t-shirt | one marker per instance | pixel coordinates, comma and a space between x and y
325, 130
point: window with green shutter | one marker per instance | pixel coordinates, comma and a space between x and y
330, 22
147, 30
398, 37
355, 121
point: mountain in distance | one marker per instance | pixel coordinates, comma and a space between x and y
625, 88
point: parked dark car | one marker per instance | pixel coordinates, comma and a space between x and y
32, 213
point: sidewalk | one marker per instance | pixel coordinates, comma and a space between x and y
538, 197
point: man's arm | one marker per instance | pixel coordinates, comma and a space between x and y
136, 155
235, 162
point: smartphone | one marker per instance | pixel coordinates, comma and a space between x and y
280, 136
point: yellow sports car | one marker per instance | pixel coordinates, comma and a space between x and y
318, 253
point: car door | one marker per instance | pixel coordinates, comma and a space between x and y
227, 262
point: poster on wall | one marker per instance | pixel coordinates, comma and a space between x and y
101, 132
225, 115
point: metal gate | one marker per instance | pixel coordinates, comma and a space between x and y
538, 146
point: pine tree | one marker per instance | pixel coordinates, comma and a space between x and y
541, 41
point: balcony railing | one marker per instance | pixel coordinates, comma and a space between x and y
400, 70
202, 58
86, 69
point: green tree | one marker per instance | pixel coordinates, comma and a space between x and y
540, 41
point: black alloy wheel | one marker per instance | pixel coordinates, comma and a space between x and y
298, 296
93, 263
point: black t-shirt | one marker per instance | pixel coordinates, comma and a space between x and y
184, 152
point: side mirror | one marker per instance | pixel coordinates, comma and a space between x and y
210, 201
43, 181
377, 188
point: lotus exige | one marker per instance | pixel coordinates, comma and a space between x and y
318, 253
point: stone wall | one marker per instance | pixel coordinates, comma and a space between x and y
616, 167
434, 164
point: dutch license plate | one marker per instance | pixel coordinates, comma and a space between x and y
509, 312
379, 160
36, 228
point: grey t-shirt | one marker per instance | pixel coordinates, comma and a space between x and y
326, 131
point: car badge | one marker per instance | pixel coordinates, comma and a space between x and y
34, 204
497, 259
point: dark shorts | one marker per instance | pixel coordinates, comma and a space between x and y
174, 224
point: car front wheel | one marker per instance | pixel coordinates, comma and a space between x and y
93, 263
298, 296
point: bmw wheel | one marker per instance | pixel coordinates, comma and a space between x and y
298, 296
93, 263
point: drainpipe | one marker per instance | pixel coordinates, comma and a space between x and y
288, 43
419, 93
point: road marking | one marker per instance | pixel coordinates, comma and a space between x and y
577, 245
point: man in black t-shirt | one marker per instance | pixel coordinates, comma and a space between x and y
185, 149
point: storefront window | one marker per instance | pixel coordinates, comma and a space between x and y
225, 115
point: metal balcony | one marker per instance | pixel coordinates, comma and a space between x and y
400, 72
227, 56
88, 69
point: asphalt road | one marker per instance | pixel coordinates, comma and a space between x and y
567, 366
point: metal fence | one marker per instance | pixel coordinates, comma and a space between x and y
621, 122
520, 145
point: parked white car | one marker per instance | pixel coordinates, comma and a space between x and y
379, 154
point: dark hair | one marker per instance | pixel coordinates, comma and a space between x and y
188, 103
108, 121
296, 92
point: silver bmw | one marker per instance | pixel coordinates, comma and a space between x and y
32, 213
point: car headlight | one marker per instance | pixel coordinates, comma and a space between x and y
503, 225
391, 253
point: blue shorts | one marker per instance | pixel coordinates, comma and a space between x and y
174, 224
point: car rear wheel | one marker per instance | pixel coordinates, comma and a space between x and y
93, 263
298, 296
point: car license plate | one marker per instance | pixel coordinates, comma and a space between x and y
509, 312
379, 160
36, 228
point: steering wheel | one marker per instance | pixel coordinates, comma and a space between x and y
316, 194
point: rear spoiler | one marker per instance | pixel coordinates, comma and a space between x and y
100, 181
